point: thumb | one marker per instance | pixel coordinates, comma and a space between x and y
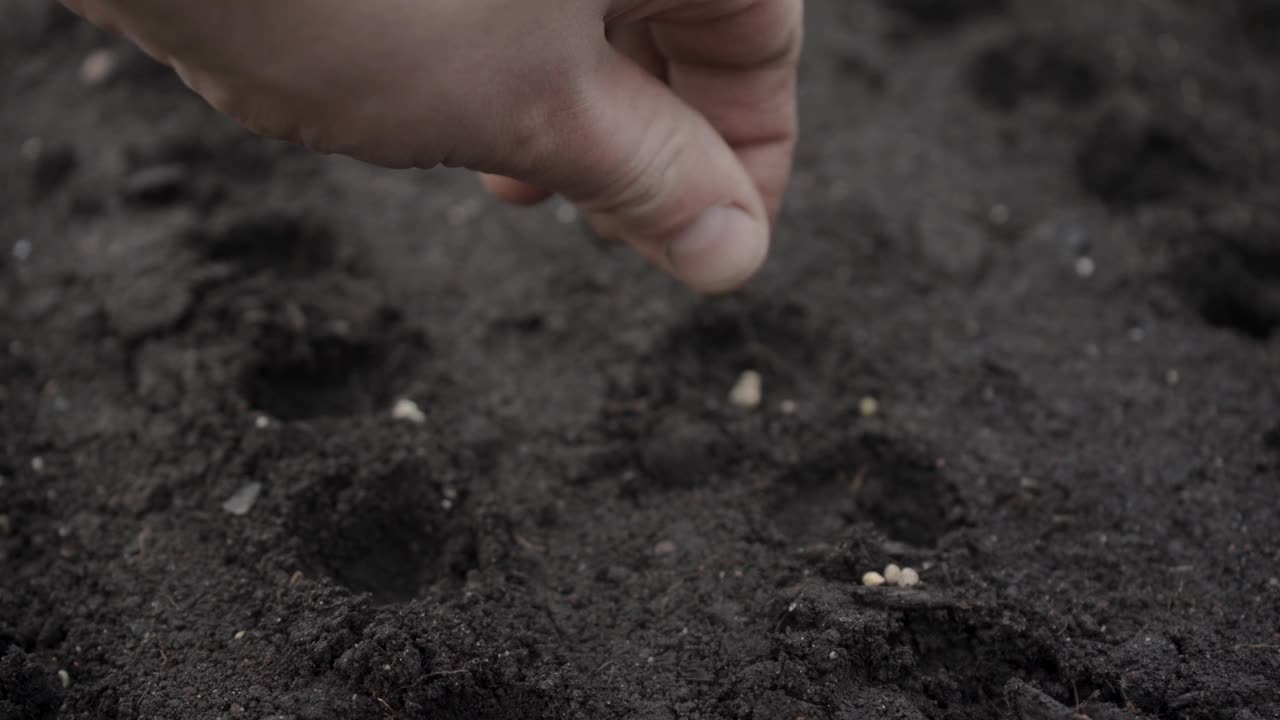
649, 169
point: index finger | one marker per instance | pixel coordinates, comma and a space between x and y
735, 61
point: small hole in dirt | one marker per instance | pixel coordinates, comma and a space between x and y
939, 14
391, 536
1230, 277
1024, 68
702, 357
330, 371
1129, 160
872, 479
279, 240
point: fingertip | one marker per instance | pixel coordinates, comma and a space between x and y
723, 249
513, 191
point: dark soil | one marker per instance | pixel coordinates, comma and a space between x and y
1043, 234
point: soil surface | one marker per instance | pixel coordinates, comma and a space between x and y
1043, 235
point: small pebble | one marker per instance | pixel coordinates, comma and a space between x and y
37, 464
664, 547
242, 502
408, 410
873, 579
868, 406
262, 422
1173, 377
1085, 267
909, 577
98, 67
748, 391
892, 574
65, 678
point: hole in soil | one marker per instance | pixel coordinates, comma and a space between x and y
1233, 279
390, 536
942, 13
705, 355
871, 479
1128, 160
1024, 68
331, 371
281, 240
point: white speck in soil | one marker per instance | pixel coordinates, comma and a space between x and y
832, 655
664, 547
262, 422
788, 407
1137, 334
1085, 267
892, 574
408, 410
97, 67
868, 406
872, 579
1173, 377
239, 635
22, 249
909, 577
37, 464
748, 391
243, 500
65, 678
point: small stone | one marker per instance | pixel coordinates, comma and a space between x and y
37, 464
748, 391
1173, 377
65, 678
98, 67
1085, 267
873, 579
408, 410
242, 502
833, 655
892, 574
239, 635
262, 422
868, 406
665, 547
909, 577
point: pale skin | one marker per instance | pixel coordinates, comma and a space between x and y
670, 123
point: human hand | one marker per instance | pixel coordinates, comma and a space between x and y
670, 123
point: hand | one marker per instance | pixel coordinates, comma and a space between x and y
670, 123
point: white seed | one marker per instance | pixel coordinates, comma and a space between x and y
65, 678
909, 577
1085, 267
1173, 377
892, 574
833, 655
408, 410
868, 406
873, 579
98, 67
239, 635
262, 422
748, 391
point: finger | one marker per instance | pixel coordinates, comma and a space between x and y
649, 169
635, 41
735, 61
512, 190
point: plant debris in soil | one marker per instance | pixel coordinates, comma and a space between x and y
1041, 236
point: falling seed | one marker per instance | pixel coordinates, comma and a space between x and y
873, 579
892, 574
868, 406
909, 577
408, 410
65, 678
98, 67
239, 635
242, 502
1085, 267
748, 391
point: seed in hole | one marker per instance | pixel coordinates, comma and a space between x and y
909, 577
892, 574
748, 391
873, 579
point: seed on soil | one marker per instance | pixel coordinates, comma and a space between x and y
242, 502
1173, 377
1085, 267
748, 391
873, 579
262, 422
97, 67
892, 574
909, 577
239, 635
65, 678
868, 406
408, 410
